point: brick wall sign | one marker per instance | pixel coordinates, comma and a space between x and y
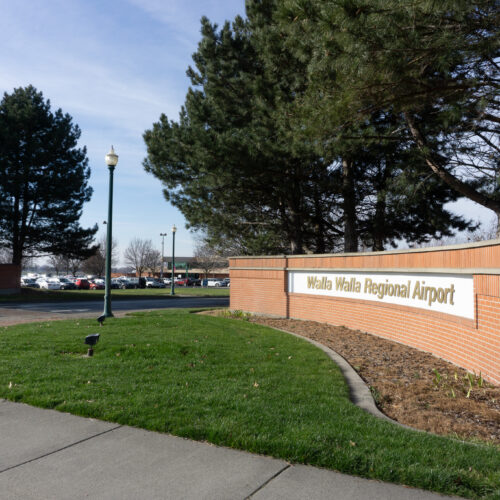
443, 300
446, 293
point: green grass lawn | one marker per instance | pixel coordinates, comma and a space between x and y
38, 295
235, 384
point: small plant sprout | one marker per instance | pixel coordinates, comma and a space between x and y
437, 377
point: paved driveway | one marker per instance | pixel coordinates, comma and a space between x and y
11, 314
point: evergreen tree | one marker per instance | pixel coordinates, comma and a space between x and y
241, 166
43, 180
414, 58
228, 164
395, 196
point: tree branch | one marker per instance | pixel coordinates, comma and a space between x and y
459, 186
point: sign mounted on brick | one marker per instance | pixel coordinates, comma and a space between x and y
445, 293
443, 300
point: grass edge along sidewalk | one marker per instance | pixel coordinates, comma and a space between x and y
233, 384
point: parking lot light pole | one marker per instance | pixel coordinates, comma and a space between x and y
111, 161
162, 252
172, 285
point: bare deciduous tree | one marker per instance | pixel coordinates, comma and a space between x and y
153, 261
207, 258
136, 254
97, 263
59, 264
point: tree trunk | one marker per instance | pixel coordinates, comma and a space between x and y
17, 237
319, 226
295, 233
348, 194
294, 214
378, 226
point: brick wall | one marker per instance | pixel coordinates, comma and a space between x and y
10, 278
259, 284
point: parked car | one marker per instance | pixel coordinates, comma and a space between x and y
154, 283
67, 284
135, 282
215, 282
82, 284
97, 284
125, 283
30, 282
184, 281
167, 281
49, 283
116, 283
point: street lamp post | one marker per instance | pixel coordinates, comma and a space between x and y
172, 285
111, 161
162, 252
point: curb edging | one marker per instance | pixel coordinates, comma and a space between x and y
359, 392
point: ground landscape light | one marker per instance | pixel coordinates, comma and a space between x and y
91, 340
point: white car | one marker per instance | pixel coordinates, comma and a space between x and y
215, 282
31, 282
154, 283
49, 283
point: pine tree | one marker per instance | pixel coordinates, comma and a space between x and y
228, 163
242, 167
414, 58
43, 180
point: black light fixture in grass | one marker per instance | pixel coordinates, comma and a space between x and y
91, 340
101, 319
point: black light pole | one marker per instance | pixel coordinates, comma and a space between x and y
172, 285
162, 252
111, 161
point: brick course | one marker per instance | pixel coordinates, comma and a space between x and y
259, 284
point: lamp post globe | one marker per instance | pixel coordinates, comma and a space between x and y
172, 285
111, 161
111, 158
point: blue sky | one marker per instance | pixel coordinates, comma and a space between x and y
114, 66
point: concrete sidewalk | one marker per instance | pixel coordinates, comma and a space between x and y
46, 454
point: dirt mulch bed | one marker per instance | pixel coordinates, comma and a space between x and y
411, 386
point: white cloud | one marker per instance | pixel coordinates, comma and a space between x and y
184, 15
114, 66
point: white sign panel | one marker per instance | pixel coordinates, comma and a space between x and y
445, 293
